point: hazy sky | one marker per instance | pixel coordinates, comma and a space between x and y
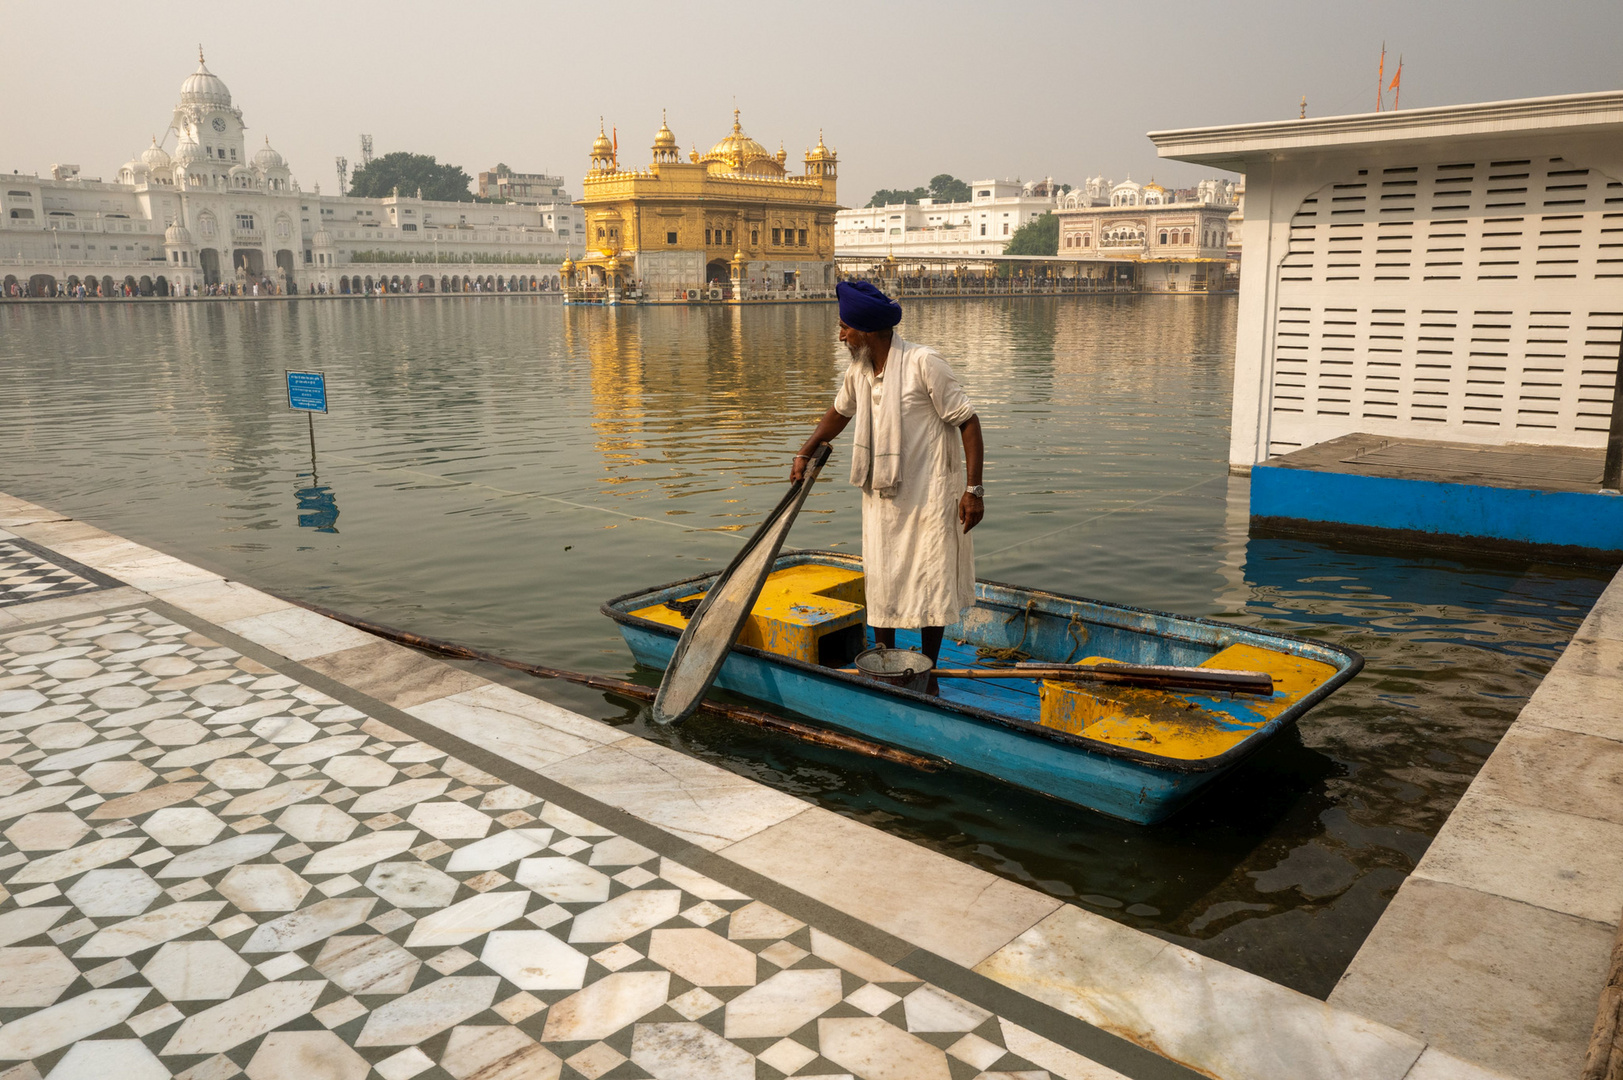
902, 90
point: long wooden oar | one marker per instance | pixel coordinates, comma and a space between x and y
716, 623
1154, 676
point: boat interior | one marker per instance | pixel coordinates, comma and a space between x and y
811, 609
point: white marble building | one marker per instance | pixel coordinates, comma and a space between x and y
982, 226
212, 208
1446, 273
1178, 245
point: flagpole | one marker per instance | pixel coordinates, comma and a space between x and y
1397, 83
1380, 80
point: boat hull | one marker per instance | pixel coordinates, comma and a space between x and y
985, 736
1120, 788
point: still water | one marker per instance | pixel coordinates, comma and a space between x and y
493, 469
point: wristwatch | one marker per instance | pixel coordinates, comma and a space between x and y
979, 491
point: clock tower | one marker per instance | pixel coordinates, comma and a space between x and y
206, 119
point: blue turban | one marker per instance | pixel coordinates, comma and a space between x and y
863, 307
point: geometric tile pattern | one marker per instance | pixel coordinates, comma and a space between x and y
212, 870
28, 574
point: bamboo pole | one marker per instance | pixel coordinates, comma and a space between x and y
1153, 676
743, 714
1604, 1059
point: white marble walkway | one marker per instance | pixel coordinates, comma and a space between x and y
211, 868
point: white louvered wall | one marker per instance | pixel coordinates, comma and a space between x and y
1478, 301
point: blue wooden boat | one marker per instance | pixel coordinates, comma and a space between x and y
1134, 753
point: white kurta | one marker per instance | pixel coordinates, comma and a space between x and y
918, 561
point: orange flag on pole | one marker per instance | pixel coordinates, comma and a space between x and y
1396, 77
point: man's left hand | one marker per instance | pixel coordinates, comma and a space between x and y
971, 508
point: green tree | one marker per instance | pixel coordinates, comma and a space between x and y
410, 173
945, 187
890, 196
1039, 236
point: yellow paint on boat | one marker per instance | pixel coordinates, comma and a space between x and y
798, 606
1187, 727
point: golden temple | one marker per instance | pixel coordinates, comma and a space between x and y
730, 224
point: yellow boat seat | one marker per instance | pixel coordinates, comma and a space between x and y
1185, 726
810, 612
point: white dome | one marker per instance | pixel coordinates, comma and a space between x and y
186, 151
135, 167
321, 237
154, 156
203, 87
268, 158
177, 234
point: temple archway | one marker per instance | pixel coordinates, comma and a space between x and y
284, 263
250, 261
717, 270
209, 260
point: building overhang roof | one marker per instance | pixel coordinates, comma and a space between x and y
1235, 147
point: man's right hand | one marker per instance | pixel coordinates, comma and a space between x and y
798, 469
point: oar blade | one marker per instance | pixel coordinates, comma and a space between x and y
714, 627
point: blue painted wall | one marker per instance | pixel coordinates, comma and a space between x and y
1533, 517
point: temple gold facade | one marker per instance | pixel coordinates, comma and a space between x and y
730, 224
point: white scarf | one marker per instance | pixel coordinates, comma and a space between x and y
876, 456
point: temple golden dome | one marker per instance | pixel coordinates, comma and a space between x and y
663, 139
819, 152
738, 152
602, 147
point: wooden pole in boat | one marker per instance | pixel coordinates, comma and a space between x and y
1152, 676
757, 717
1604, 1058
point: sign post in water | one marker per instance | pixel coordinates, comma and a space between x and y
307, 393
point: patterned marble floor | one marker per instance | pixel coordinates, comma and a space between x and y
26, 574
210, 869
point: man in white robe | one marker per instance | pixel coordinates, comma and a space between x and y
920, 495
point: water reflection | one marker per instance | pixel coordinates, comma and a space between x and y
318, 506
679, 404
557, 457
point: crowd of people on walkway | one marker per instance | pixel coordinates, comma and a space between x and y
47, 287
90, 289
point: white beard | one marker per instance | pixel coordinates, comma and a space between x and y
862, 354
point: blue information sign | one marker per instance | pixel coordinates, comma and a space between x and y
307, 391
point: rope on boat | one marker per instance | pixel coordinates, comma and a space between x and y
757, 717
1079, 633
1014, 653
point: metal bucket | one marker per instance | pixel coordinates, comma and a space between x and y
896, 667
